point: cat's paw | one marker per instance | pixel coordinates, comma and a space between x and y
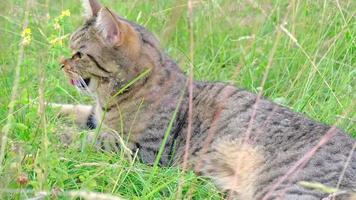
67, 135
66, 139
105, 141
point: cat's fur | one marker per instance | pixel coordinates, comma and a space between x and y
245, 158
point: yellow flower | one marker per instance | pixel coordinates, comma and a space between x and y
57, 26
58, 20
26, 36
26, 32
56, 41
65, 13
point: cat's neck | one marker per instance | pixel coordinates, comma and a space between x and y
148, 83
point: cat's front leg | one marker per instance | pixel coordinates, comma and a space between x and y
83, 115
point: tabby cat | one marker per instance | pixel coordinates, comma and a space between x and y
244, 147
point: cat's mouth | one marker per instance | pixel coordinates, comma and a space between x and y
80, 83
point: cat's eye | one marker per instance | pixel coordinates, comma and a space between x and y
77, 55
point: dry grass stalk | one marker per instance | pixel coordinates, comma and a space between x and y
190, 98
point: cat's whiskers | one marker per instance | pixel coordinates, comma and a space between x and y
86, 87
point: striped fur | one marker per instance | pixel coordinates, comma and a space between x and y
111, 51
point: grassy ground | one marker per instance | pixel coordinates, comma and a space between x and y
313, 72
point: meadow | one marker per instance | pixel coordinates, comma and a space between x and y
300, 54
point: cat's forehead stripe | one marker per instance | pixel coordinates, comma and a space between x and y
77, 38
80, 33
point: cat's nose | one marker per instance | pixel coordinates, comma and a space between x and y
64, 63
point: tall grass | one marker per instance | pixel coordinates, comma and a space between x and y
311, 68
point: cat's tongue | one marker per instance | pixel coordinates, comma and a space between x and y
73, 82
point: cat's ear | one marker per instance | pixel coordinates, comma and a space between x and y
108, 26
115, 31
91, 8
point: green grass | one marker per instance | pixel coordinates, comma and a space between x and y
228, 36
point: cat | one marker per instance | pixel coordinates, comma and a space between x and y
244, 145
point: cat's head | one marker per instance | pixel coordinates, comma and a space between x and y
108, 48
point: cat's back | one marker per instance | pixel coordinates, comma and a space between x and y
242, 113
